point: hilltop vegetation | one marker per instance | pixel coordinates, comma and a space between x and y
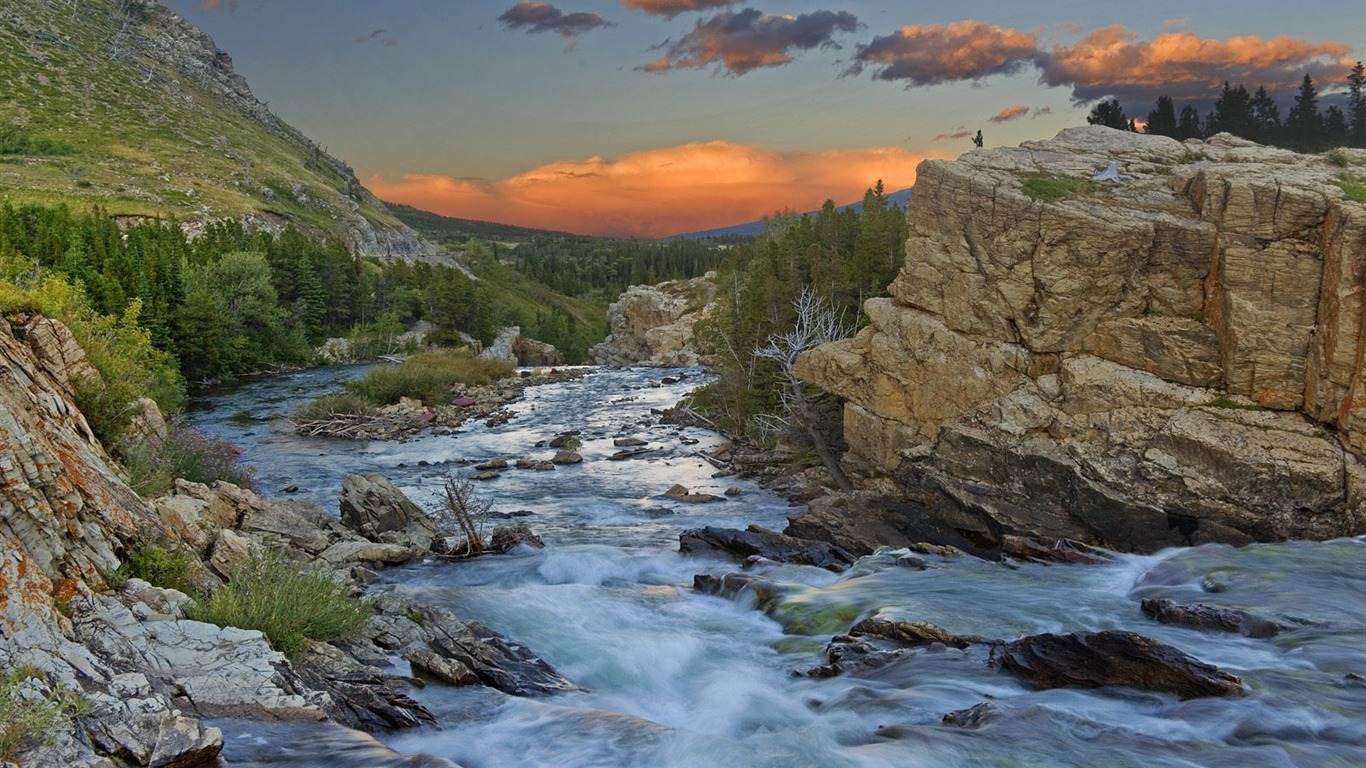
121, 104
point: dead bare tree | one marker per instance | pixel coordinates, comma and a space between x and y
817, 323
467, 513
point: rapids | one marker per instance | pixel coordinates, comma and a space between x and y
676, 678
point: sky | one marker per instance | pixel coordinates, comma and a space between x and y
645, 118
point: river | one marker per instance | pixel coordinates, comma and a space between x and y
676, 678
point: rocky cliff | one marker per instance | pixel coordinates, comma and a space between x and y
1173, 358
652, 325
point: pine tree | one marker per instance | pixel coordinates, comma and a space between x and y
1232, 113
1334, 127
1109, 114
1188, 125
1162, 121
1356, 106
1304, 124
1266, 118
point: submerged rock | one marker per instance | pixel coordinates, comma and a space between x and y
1200, 616
911, 632
1114, 657
973, 717
764, 543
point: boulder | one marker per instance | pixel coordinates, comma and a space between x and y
1213, 618
379, 511
911, 632
770, 545
1114, 658
1166, 361
506, 537
652, 324
679, 492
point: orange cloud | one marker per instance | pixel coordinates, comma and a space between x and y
1010, 113
741, 42
660, 192
1110, 61
671, 8
937, 53
1113, 62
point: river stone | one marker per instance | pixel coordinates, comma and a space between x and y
771, 545
1198, 616
360, 695
565, 458
629, 442
679, 492
973, 717
1114, 657
446, 670
505, 537
733, 585
364, 551
911, 632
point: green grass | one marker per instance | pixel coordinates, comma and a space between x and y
288, 605
1228, 402
128, 130
427, 376
1355, 190
31, 713
1056, 186
158, 567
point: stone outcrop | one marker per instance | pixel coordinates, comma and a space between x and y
1168, 360
513, 348
652, 325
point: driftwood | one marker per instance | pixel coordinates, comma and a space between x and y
351, 426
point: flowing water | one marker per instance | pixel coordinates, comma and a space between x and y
676, 678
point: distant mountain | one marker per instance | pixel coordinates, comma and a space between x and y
126, 105
753, 228
449, 229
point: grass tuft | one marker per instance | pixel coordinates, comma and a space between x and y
288, 605
186, 453
31, 712
1355, 190
427, 376
160, 568
1055, 186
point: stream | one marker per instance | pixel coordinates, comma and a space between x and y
677, 678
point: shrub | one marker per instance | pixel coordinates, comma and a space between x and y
427, 376
332, 406
31, 713
1055, 186
184, 453
288, 605
160, 568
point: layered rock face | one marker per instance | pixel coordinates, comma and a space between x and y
652, 324
1171, 359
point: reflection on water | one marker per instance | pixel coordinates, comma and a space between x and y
680, 679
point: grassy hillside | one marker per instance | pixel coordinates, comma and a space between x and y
122, 104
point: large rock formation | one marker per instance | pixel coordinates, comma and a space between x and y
652, 324
1171, 359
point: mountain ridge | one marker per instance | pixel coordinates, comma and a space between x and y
149, 119
754, 228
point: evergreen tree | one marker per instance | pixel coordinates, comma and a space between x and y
1266, 118
1109, 114
1232, 113
1162, 120
1304, 124
1334, 127
1188, 125
1356, 106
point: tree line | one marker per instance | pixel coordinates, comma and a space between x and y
1256, 116
835, 258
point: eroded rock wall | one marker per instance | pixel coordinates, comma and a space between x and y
1171, 359
652, 324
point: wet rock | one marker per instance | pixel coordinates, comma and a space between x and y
1114, 658
1198, 616
1062, 551
911, 632
772, 545
732, 585
566, 458
627, 454
369, 552
679, 492
862, 521
494, 464
449, 671
544, 466
629, 442
974, 716
853, 656
733, 491
505, 537
359, 695
907, 561
564, 439
525, 464
490, 475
